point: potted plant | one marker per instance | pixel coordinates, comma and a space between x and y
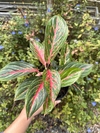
56, 70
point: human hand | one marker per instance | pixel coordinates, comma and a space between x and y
38, 111
21, 123
41, 108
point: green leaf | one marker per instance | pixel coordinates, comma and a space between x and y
64, 55
38, 50
53, 85
86, 68
16, 69
55, 36
35, 96
22, 89
70, 76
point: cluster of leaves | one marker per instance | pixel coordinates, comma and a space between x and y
84, 41
84, 45
77, 114
15, 46
44, 89
13, 33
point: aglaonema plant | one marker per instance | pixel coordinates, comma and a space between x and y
57, 71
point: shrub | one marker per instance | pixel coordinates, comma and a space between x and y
15, 46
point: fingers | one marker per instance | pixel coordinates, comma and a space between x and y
41, 109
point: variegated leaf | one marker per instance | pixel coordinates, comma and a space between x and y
22, 89
64, 55
37, 50
55, 36
70, 76
16, 69
35, 96
86, 68
53, 85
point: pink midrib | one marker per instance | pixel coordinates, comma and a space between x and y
22, 71
37, 92
55, 30
40, 54
49, 78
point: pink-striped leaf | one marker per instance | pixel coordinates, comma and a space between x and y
55, 36
35, 96
64, 55
16, 69
37, 50
70, 76
22, 89
52, 85
86, 68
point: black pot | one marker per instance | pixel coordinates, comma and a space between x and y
62, 93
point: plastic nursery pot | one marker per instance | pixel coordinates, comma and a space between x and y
62, 93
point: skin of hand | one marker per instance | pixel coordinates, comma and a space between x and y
21, 123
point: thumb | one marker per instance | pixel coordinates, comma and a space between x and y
57, 102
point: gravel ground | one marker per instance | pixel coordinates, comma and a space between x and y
57, 129
54, 126
95, 128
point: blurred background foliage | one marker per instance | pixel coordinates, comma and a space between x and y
80, 108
